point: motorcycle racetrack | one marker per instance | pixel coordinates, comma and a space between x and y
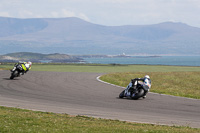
80, 93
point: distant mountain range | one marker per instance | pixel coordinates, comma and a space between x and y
76, 36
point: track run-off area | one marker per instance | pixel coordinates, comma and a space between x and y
80, 93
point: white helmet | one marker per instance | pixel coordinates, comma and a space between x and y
30, 63
147, 76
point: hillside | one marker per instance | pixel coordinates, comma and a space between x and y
76, 36
37, 57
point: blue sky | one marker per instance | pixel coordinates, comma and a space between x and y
107, 12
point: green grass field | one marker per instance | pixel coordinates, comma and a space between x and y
14, 120
98, 68
184, 84
173, 80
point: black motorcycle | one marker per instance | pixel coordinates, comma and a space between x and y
135, 93
16, 71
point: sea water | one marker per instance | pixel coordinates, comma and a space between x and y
163, 60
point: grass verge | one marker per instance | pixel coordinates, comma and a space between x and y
102, 68
19, 120
184, 84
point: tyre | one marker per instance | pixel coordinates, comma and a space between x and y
121, 95
139, 94
13, 75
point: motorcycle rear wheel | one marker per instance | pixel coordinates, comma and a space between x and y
139, 94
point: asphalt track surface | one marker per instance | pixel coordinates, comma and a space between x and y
81, 94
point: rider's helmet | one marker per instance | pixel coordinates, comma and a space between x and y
147, 82
30, 63
147, 76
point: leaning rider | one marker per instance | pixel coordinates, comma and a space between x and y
134, 82
26, 66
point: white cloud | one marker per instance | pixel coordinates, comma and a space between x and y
93, 1
29, 14
67, 13
107, 12
83, 16
115, 1
55, 14
25, 13
5, 14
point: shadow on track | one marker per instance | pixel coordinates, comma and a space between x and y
9, 79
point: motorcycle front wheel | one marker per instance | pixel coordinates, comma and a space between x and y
121, 95
13, 75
